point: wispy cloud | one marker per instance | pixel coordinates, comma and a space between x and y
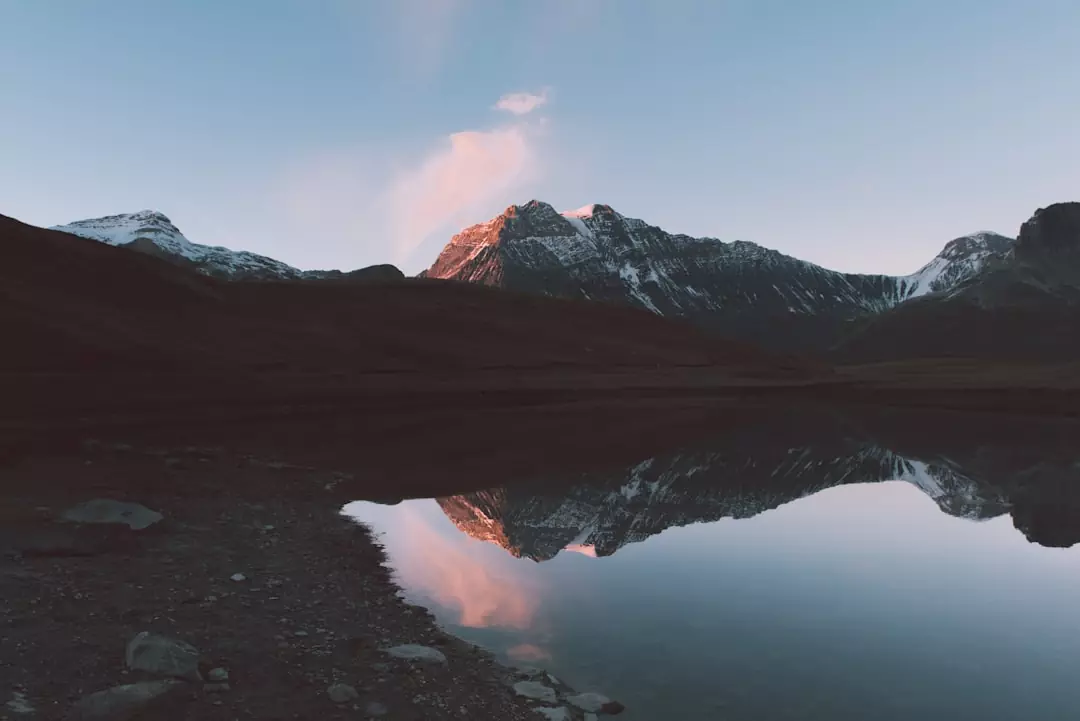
385, 203
465, 171
522, 103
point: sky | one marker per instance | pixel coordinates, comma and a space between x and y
340, 133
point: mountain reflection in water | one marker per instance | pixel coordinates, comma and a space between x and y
756, 577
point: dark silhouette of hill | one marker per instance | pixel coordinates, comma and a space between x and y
81, 319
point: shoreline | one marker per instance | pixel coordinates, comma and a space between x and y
85, 403
287, 596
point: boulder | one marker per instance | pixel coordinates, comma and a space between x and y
163, 656
595, 703
342, 693
121, 703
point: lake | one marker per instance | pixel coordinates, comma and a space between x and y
768, 580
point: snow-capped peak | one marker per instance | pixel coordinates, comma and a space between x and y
160, 237
961, 259
126, 228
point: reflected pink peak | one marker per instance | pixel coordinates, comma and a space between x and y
589, 551
528, 652
446, 570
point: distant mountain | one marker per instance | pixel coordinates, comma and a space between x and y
1025, 304
738, 288
152, 233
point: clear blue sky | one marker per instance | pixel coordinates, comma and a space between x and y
858, 134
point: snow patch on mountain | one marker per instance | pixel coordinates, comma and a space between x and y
585, 211
961, 259
128, 227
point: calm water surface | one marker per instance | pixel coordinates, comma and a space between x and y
688, 595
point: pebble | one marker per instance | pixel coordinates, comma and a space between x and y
342, 693
217, 675
238, 577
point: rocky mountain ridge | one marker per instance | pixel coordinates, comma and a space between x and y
740, 288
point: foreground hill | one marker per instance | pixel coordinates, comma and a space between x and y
75, 306
739, 289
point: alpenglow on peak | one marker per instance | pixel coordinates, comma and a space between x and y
739, 288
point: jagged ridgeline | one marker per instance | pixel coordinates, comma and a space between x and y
737, 288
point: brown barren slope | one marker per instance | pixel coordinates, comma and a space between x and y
90, 329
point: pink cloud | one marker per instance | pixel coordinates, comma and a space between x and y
469, 170
522, 103
445, 570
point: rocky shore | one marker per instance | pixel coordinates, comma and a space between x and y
162, 583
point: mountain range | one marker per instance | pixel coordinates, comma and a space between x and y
983, 295
742, 290
739, 288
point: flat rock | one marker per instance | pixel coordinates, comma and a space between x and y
536, 691
163, 656
555, 714
595, 703
104, 510
342, 693
217, 675
121, 703
416, 652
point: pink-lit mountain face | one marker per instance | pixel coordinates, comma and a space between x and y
738, 288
